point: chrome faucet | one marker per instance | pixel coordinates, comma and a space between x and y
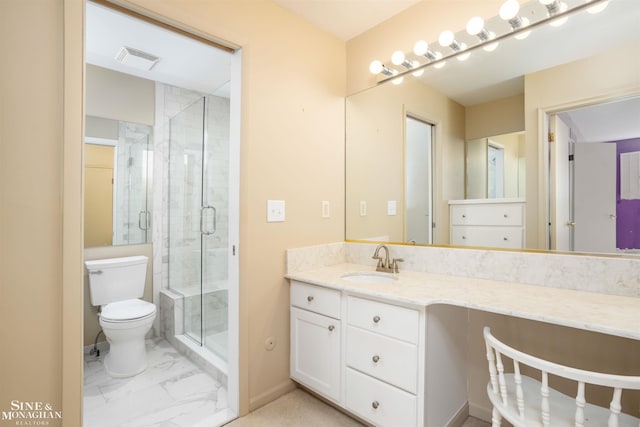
383, 263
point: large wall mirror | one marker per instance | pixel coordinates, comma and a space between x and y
118, 182
491, 117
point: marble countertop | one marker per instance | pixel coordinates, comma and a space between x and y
609, 314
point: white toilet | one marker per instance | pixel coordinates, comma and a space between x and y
116, 284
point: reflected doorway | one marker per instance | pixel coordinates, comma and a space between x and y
418, 176
588, 212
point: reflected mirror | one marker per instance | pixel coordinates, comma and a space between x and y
495, 167
472, 106
118, 182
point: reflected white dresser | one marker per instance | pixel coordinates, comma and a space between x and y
496, 223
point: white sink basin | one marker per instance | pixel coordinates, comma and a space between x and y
369, 277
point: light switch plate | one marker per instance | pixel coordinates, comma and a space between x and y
363, 208
392, 207
275, 210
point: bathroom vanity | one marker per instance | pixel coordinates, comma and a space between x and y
391, 349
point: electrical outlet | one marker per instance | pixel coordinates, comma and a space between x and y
392, 207
326, 213
275, 210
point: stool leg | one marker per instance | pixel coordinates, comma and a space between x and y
496, 418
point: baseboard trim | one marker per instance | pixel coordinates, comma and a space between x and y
480, 412
460, 417
270, 395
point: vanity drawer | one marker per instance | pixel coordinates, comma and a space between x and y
390, 320
379, 403
316, 298
390, 360
495, 237
488, 214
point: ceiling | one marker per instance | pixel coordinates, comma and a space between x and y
484, 77
346, 19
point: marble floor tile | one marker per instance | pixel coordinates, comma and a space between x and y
171, 392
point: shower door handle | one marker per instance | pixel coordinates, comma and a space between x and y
145, 223
203, 214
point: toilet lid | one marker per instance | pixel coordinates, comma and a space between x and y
127, 310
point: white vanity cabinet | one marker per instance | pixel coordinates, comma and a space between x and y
387, 363
316, 339
498, 223
382, 376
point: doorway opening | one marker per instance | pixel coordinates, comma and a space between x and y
588, 152
186, 90
418, 181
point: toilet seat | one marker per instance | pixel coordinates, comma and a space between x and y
127, 311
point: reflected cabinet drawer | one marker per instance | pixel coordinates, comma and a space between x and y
379, 403
386, 319
315, 298
505, 214
495, 237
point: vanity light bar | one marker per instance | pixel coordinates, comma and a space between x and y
557, 13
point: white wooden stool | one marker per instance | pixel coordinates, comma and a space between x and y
527, 402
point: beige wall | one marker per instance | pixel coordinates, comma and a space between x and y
292, 146
375, 135
497, 117
118, 96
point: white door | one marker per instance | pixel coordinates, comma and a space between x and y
595, 197
559, 185
418, 207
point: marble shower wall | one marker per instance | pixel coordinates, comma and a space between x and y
169, 193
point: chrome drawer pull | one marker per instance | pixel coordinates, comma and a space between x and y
375, 404
375, 358
309, 298
331, 328
376, 319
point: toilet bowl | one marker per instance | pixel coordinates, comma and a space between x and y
115, 285
125, 325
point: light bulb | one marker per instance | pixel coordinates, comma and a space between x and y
446, 38
546, 2
560, 21
375, 67
421, 47
440, 64
475, 25
523, 35
598, 7
509, 9
398, 57
397, 80
418, 73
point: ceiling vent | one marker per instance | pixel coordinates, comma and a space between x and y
136, 58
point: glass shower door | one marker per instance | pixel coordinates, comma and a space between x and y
187, 134
199, 226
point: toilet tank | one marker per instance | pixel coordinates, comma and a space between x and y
116, 279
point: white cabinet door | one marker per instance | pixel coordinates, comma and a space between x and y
315, 352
